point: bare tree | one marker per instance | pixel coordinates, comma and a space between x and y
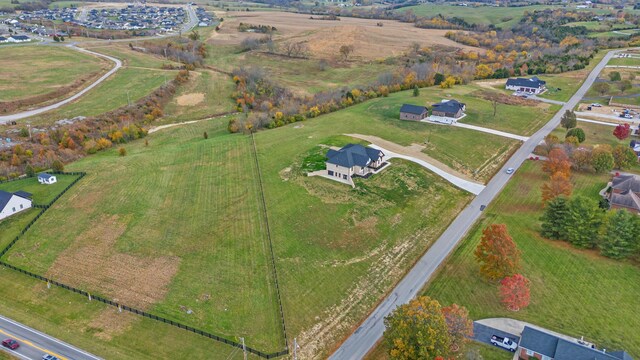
346, 50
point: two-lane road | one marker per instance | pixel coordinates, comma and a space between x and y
371, 330
34, 344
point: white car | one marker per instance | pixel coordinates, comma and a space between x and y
596, 105
510, 171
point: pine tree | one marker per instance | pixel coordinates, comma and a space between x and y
497, 253
554, 219
583, 222
620, 238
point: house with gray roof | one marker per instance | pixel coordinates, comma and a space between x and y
413, 112
450, 109
538, 344
353, 160
48, 179
625, 193
13, 203
524, 85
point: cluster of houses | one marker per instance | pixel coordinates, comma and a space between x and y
131, 17
13, 203
204, 18
14, 39
446, 111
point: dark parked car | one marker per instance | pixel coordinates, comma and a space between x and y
49, 357
10, 343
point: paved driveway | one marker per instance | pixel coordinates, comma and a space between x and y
482, 333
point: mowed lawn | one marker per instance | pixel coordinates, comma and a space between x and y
575, 292
36, 70
175, 228
111, 94
339, 250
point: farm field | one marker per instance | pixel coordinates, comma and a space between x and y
324, 38
569, 82
131, 58
215, 263
556, 270
36, 70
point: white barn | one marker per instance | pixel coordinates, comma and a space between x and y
47, 179
11, 204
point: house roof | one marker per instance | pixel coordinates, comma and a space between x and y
448, 106
626, 199
626, 182
560, 349
534, 82
353, 154
23, 194
413, 109
20, 37
44, 176
539, 341
4, 198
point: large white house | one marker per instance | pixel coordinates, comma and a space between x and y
529, 86
47, 179
353, 160
13, 203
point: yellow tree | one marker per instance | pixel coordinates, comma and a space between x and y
497, 253
558, 184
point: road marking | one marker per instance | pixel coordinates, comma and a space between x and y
29, 343
13, 352
49, 337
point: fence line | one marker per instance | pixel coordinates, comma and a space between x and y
273, 260
101, 299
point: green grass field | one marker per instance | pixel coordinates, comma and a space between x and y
130, 57
625, 61
572, 291
37, 70
568, 82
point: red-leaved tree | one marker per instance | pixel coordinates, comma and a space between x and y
497, 253
514, 292
622, 131
557, 161
459, 325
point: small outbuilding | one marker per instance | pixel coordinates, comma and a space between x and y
13, 203
47, 179
413, 112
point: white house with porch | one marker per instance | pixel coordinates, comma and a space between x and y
47, 179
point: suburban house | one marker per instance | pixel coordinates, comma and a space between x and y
12, 203
635, 145
3, 39
353, 160
47, 179
19, 38
625, 193
530, 86
451, 109
539, 344
413, 112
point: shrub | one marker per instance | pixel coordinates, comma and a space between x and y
122, 151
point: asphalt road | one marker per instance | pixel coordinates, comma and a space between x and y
34, 344
371, 330
483, 334
193, 21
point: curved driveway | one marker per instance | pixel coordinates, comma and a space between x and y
25, 114
370, 331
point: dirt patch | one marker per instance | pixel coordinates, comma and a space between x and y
190, 99
324, 38
110, 323
92, 263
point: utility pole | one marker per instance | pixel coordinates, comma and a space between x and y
244, 348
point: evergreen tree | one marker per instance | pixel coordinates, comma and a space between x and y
554, 219
416, 91
568, 120
620, 238
583, 222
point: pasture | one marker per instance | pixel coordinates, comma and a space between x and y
325, 37
629, 61
36, 70
560, 274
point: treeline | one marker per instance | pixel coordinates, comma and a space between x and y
183, 50
263, 29
64, 143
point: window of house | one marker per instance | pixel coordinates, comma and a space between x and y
529, 352
14, 209
21, 206
344, 177
330, 172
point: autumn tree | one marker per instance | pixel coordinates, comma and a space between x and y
514, 292
623, 157
622, 131
557, 185
483, 71
601, 87
568, 120
554, 218
581, 158
448, 82
122, 151
602, 158
583, 222
550, 142
57, 166
620, 238
417, 330
578, 133
497, 253
345, 51
459, 325
557, 161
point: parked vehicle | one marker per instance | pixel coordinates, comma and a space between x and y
10, 343
49, 357
504, 342
596, 105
